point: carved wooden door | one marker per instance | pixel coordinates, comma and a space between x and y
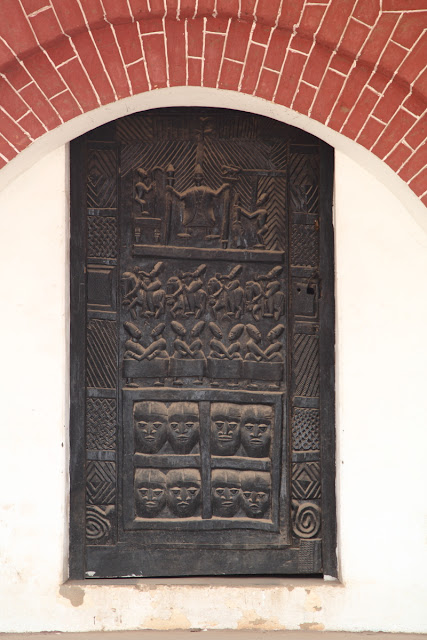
202, 348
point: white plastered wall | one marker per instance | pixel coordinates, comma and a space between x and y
381, 261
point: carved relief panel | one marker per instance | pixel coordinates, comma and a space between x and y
202, 348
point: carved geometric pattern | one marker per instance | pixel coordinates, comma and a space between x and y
305, 429
306, 556
135, 127
275, 237
101, 354
102, 237
99, 524
102, 179
101, 482
305, 245
306, 480
279, 156
243, 126
306, 365
305, 519
304, 178
100, 423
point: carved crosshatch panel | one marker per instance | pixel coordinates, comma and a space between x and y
200, 340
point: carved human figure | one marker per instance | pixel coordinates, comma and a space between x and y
150, 492
256, 489
150, 420
226, 293
198, 204
155, 296
225, 428
144, 289
136, 351
142, 187
186, 295
260, 214
183, 493
256, 430
225, 492
183, 426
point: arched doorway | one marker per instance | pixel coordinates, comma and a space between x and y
202, 348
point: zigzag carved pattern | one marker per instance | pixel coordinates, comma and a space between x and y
102, 179
100, 423
181, 154
276, 205
135, 127
101, 354
306, 365
241, 126
304, 180
279, 156
101, 482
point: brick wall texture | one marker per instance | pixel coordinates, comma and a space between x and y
358, 66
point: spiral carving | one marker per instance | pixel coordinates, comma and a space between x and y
306, 522
97, 524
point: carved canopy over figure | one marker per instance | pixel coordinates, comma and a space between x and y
198, 204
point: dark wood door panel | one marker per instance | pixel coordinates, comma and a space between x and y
202, 348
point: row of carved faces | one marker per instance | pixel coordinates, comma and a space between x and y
178, 493
233, 428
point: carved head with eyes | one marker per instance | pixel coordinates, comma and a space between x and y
150, 419
256, 490
225, 492
183, 426
225, 428
150, 492
183, 491
257, 425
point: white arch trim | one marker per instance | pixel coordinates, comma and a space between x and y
208, 97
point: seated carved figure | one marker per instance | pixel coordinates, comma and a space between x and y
150, 420
225, 428
183, 495
150, 492
183, 426
257, 424
225, 492
255, 497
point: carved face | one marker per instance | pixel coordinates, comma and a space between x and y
183, 426
225, 492
183, 491
150, 419
255, 493
225, 428
257, 423
150, 492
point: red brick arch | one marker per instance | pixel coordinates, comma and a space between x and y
357, 66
